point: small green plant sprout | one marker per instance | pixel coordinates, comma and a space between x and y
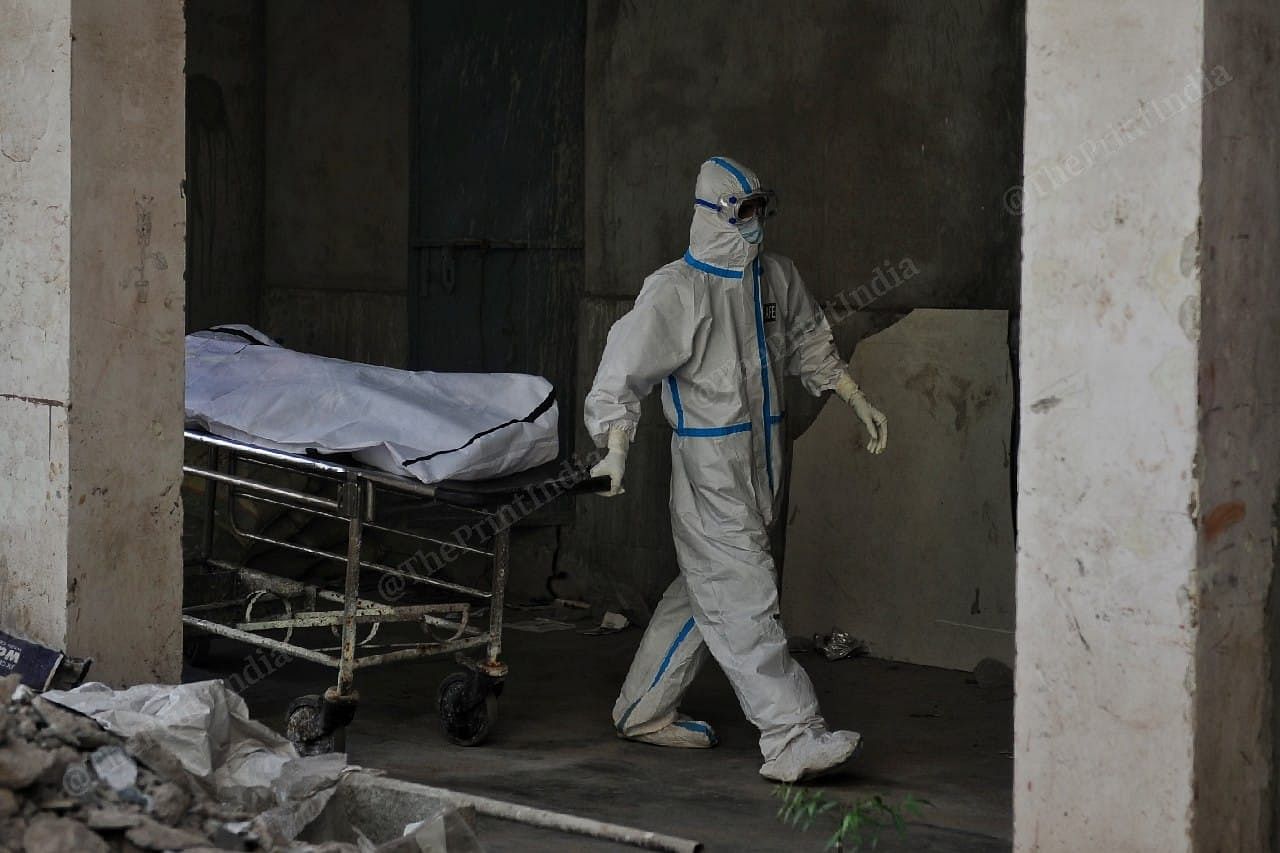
857, 827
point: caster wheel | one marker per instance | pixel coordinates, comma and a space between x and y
465, 720
303, 728
195, 648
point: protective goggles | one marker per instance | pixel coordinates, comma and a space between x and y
742, 208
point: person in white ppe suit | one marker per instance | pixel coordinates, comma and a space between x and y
718, 329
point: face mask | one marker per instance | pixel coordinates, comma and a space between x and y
752, 230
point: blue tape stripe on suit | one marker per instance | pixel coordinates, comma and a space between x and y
764, 373
699, 432
733, 170
666, 661
706, 267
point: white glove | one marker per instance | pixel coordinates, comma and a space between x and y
872, 418
614, 463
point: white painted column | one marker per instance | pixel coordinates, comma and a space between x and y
91, 325
1148, 461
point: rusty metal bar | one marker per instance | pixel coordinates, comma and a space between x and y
353, 503
501, 556
210, 506
229, 476
258, 640
253, 486
370, 526
363, 616
307, 464
427, 579
423, 650
336, 516
251, 450
295, 589
283, 587
378, 567
458, 628
559, 822
442, 542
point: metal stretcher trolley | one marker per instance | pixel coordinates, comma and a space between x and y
265, 610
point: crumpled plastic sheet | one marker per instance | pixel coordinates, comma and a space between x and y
839, 645
201, 731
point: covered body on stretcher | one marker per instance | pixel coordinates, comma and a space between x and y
431, 426
479, 443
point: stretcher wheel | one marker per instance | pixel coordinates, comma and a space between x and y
468, 708
304, 728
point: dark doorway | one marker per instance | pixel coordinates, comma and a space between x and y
496, 217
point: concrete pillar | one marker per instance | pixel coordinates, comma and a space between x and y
1149, 463
91, 325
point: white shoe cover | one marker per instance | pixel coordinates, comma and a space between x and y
684, 733
811, 756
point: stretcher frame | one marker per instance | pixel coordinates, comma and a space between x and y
350, 494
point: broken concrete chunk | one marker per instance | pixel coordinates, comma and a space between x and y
150, 835
47, 834
11, 832
8, 803
54, 802
112, 819
26, 728
168, 802
71, 728
62, 756
8, 684
21, 764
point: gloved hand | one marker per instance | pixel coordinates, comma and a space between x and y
614, 463
872, 418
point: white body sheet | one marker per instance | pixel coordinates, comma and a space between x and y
446, 426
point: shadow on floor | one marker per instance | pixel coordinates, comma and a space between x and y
931, 733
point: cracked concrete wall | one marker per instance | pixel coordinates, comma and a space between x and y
93, 306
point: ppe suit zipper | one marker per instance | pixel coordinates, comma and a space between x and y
764, 372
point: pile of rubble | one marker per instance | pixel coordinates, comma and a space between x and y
66, 784
195, 774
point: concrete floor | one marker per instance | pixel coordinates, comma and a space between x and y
931, 733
